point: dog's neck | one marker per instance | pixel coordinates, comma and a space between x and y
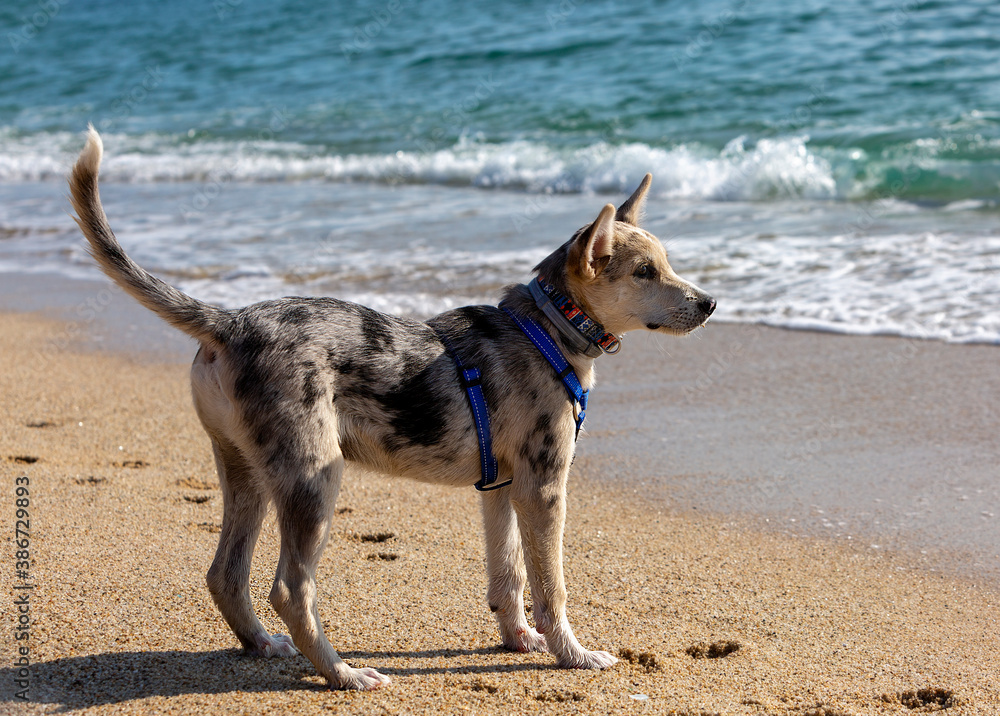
519, 298
579, 332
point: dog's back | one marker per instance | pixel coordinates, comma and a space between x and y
387, 383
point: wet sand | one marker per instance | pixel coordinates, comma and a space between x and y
711, 614
879, 442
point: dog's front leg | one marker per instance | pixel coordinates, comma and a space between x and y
540, 503
507, 576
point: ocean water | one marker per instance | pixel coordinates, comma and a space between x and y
825, 165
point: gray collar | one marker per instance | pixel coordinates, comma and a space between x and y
575, 340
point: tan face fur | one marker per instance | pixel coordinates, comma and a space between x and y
622, 278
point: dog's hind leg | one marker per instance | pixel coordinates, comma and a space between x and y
305, 503
244, 507
507, 576
540, 503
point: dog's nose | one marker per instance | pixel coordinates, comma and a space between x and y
707, 305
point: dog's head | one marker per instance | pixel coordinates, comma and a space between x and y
619, 274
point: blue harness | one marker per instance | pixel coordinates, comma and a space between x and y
471, 381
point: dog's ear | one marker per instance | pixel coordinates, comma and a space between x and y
592, 249
631, 211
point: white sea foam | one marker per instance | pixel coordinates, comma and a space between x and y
771, 169
942, 286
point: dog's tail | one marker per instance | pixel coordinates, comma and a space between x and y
200, 320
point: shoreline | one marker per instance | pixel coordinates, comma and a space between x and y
128, 507
339, 239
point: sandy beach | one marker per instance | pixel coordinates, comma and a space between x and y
709, 614
793, 511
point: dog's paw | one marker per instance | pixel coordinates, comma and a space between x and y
270, 646
525, 640
589, 660
359, 680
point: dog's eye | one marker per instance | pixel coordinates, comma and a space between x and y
645, 271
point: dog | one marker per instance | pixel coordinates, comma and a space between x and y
290, 389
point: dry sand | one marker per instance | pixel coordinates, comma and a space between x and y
710, 616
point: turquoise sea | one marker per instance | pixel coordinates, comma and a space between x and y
831, 165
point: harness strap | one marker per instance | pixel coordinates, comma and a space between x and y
471, 380
548, 348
